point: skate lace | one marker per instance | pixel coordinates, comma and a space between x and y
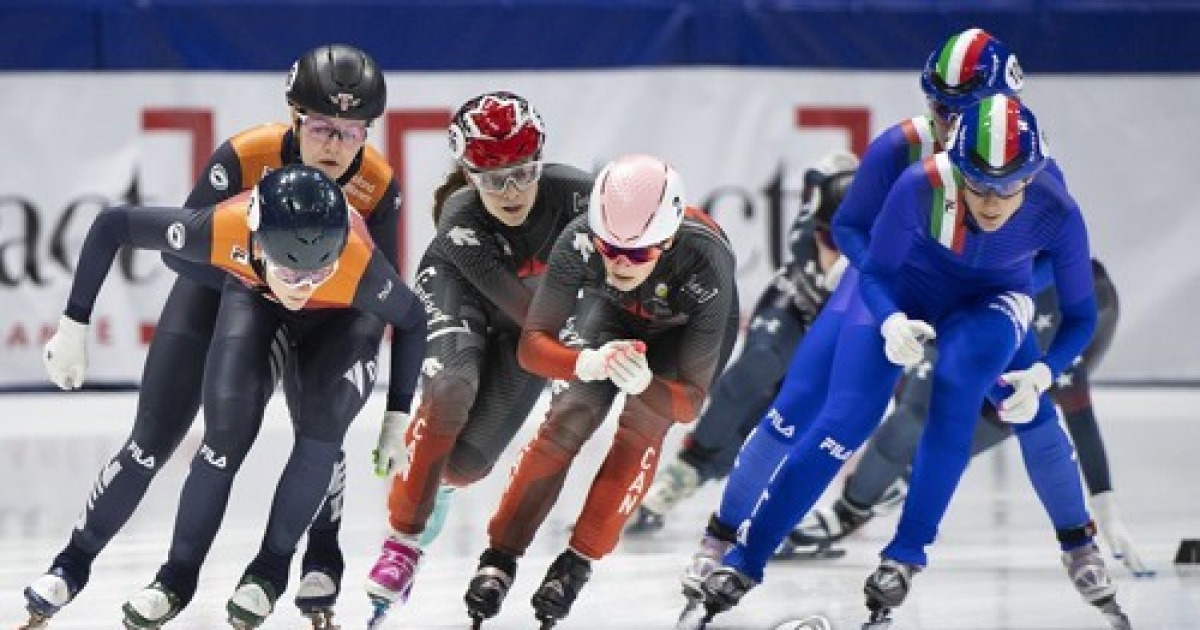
705, 559
1086, 569
396, 566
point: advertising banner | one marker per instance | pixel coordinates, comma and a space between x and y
741, 138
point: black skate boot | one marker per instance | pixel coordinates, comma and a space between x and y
721, 590
565, 577
1085, 567
886, 589
320, 583
813, 538
487, 589
317, 593
48, 594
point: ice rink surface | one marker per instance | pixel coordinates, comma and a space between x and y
995, 564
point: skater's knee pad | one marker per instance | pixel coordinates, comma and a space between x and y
467, 465
448, 398
569, 426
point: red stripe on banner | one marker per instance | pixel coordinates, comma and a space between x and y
971, 58
197, 122
146, 332
399, 124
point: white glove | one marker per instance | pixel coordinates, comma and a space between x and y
592, 365
1028, 384
629, 370
1108, 521
835, 273
390, 451
904, 339
65, 355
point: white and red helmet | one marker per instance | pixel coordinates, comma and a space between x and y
637, 201
496, 130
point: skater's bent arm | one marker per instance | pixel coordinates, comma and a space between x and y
383, 293
183, 232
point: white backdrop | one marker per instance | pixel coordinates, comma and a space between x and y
76, 141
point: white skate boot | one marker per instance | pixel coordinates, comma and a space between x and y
1085, 567
47, 595
151, 607
252, 602
315, 598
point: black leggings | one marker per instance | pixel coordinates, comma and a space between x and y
330, 373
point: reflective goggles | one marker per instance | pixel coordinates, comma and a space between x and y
322, 129
300, 278
635, 255
988, 189
495, 180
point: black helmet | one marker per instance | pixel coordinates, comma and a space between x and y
337, 80
825, 185
299, 217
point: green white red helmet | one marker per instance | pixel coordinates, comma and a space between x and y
997, 147
970, 66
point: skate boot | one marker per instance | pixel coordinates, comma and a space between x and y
722, 590
316, 595
252, 602
886, 589
437, 518
490, 585
823, 526
392, 577
1085, 568
48, 594
676, 482
706, 558
565, 577
151, 607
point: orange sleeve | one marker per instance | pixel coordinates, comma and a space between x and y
541, 353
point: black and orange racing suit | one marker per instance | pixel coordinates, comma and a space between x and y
329, 373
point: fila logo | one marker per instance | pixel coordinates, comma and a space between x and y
210, 456
839, 452
139, 456
778, 423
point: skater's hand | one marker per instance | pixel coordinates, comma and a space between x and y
904, 339
592, 365
65, 355
629, 370
390, 451
1028, 385
1112, 528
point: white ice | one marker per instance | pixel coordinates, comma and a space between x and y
995, 564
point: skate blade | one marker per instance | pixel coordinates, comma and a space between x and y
694, 616
321, 619
380, 608
805, 554
36, 622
